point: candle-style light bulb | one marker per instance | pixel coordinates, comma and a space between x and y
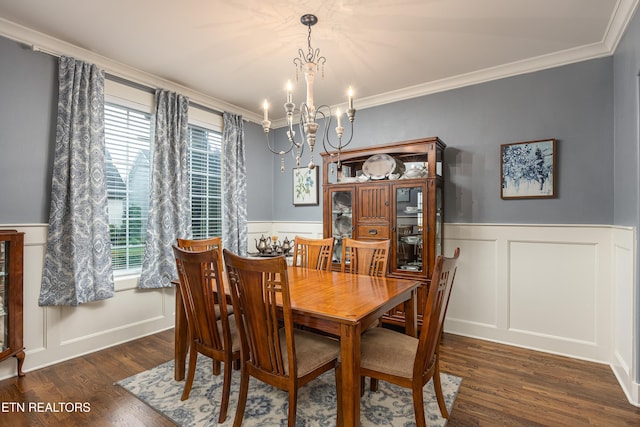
350, 98
289, 89
338, 116
265, 105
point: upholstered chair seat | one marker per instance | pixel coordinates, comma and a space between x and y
388, 351
312, 351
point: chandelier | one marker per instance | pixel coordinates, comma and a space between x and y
309, 63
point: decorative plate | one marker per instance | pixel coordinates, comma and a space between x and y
379, 166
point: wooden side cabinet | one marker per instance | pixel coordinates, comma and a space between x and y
11, 264
404, 206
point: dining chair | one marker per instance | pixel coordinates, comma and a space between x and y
199, 245
411, 362
368, 257
313, 253
273, 351
218, 339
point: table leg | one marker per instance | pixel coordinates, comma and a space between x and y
411, 321
350, 365
181, 340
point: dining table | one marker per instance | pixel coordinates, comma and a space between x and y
341, 304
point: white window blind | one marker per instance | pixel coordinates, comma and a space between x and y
128, 157
205, 171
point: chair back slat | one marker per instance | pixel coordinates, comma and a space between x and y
257, 286
368, 257
313, 253
435, 310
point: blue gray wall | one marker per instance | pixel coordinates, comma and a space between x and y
626, 66
28, 97
260, 171
573, 104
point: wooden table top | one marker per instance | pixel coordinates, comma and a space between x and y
343, 297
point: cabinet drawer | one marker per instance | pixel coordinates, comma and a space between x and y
373, 231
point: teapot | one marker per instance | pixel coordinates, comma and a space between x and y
286, 246
262, 245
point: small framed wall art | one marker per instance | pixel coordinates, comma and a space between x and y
305, 186
528, 170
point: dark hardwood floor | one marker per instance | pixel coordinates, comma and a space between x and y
502, 386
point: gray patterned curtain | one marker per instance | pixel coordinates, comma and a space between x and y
234, 219
169, 204
77, 263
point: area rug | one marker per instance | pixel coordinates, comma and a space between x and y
267, 406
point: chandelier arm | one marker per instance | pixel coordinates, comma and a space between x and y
326, 140
350, 137
279, 152
327, 126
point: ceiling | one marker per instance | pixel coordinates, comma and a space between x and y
236, 53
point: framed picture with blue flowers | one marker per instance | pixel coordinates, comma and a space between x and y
305, 186
528, 170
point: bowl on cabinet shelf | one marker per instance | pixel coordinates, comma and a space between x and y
412, 239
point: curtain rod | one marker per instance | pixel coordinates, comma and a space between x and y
136, 85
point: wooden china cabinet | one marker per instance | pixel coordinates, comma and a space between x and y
11, 254
392, 191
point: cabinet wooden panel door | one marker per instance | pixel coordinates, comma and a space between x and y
373, 204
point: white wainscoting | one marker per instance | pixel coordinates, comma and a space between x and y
563, 289
542, 287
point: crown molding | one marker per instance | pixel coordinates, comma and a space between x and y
494, 73
624, 11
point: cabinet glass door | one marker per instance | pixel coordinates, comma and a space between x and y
341, 219
409, 228
4, 294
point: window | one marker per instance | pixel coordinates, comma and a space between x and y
128, 155
128, 150
205, 171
